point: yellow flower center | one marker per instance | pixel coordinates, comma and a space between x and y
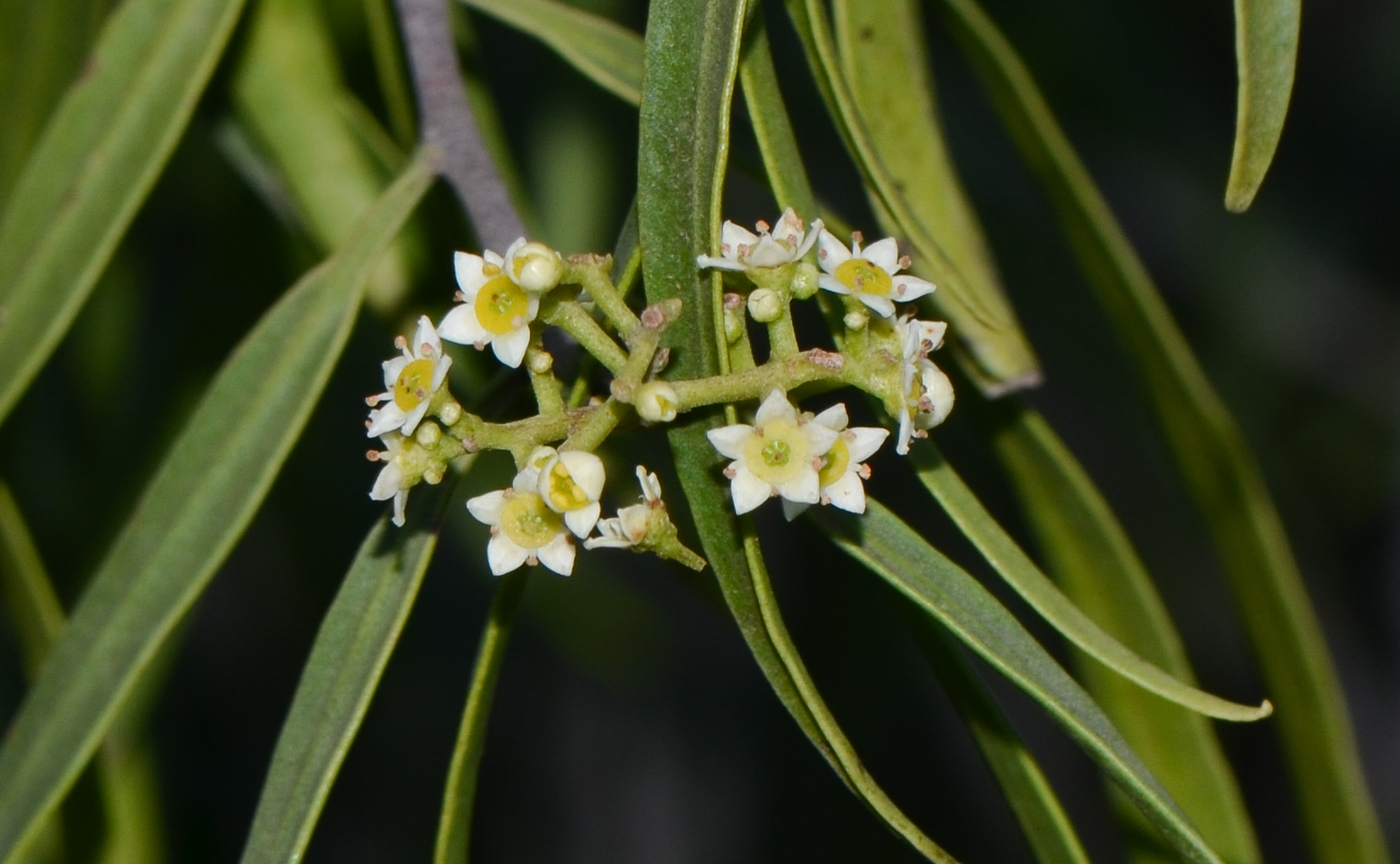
834, 463
863, 277
777, 453
528, 522
412, 386
501, 305
564, 493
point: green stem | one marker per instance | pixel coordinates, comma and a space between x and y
454, 829
755, 383
782, 339
595, 281
573, 319
547, 389
596, 427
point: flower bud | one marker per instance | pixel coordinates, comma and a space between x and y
804, 281
656, 402
428, 433
856, 320
733, 324
766, 305
937, 401
540, 362
450, 413
536, 267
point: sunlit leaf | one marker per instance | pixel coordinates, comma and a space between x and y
92, 168
351, 650
1338, 816
192, 512
1266, 49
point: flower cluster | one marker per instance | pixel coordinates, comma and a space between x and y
556, 496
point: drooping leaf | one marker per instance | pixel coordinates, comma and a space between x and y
454, 827
894, 551
1021, 573
94, 164
608, 53
1093, 560
192, 512
351, 650
1338, 815
1266, 50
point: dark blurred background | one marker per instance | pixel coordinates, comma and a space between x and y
631, 725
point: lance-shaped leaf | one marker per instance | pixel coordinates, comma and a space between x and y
608, 53
1021, 573
194, 509
97, 159
1266, 50
1338, 816
351, 650
894, 551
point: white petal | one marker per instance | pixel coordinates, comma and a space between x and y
532, 306
400, 505
459, 325
881, 305
425, 334
832, 284
412, 418
863, 441
504, 554
719, 263
810, 240
582, 520
511, 250
793, 509
392, 370
847, 492
805, 487
906, 433
768, 253
493, 258
488, 508
469, 275
732, 236
528, 479
586, 470
831, 253
775, 407
440, 371
819, 438
730, 440
883, 254
748, 491
510, 347
388, 483
833, 417
385, 419
611, 536
939, 391
651, 486
908, 288
788, 231
558, 555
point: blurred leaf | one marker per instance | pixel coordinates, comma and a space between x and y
1266, 49
454, 827
387, 50
351, 650
1219, 469
191, 514
782, 161
1021, 573
1094, 562
289, 94
92, 168
30, 603
894, 551
1043, 819
609, 54
981, 318
692, 62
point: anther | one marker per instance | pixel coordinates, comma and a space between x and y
857, 237
729, 473
905, 261
762, 227
400, 342
372, 455
733, 301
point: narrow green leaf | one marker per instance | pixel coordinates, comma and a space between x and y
782, 161
981, 317
351, 650
608, 53
1021, 573
1093, 560
96, 161
454, 827
30, 603
894, 551
289, 95
1266, 50
1028, 791
387, 50
192, 512
1338, 816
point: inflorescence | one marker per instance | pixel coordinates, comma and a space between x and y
507, 301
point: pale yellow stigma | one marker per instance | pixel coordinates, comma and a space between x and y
776, 453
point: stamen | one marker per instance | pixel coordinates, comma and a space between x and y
730, 473
762, 226
905, 261
857, 237
400, 342
372, 455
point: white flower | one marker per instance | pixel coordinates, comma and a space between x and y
656, 402
918, 338
629, 527
928, 400
570, 484
779, 455
523, 529
410, 382
533, 266
494, 307
741, 249
392, 481
843, 466
868, 275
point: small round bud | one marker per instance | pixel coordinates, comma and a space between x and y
937, 400
432, 476
733, 325
856, 320
766, 305
536, 267
540, 362
656, 402
450, 413
804, 281
428, 433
